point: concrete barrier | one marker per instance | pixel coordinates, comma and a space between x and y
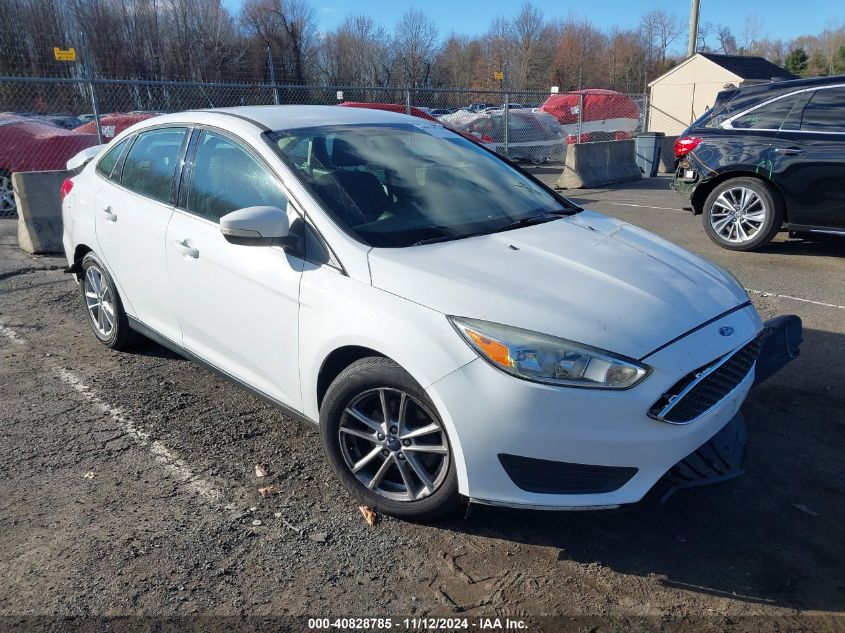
590, 165
39, 210
667, 155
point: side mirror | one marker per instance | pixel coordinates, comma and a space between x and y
256, 226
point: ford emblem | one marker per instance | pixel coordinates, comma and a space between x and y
726, 330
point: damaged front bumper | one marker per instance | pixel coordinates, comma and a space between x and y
722, 457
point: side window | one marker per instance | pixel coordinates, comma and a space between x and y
767, 117
226, 178
107, 162
825, 112
151, 163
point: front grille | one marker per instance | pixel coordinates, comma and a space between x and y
704, 388
564, 478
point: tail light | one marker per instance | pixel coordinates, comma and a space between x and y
685, 144
65, 189
571, 139
486, 138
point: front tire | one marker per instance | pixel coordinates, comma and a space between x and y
106, 315
742, 214
385, 442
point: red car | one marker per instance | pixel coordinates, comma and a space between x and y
390, 107
608, 115
113, 124
32, 145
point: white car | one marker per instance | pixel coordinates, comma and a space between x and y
457, 329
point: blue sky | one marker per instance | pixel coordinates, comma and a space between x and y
781, 18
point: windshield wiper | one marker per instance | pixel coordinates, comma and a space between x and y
446, 238
540, 218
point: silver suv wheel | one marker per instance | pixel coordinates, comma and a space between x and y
738, 215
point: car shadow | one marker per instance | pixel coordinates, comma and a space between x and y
151, 349
819, 245
770, 537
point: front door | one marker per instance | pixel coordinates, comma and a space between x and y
238, 306
808, 161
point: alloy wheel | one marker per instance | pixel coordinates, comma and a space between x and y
7, 195
738, 215
394, 445
99, 301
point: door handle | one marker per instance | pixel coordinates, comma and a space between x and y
186, 249
789, 151
110, 216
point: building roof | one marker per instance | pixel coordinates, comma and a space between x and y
749, 67
745, 68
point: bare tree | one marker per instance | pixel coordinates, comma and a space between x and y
415, 46
289, 28
752, 31
660, 29
727, 42
355, 53
530, 53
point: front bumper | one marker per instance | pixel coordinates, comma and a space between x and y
603, 441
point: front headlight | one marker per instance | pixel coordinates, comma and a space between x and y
548, 359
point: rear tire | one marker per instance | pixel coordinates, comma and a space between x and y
400, 463
103, 306
743, 214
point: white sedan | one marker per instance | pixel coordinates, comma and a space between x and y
458, 330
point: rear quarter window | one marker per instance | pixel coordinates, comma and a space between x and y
769, 116
106, 165
825, 112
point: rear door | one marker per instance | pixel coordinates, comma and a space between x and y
808, 160
132, 211
238, 306
749, 144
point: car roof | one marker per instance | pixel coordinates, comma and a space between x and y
777, 87
285, 117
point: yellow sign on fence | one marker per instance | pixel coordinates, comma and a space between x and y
64, 54
499, 75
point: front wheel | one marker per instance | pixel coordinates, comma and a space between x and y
386, 443
742, 214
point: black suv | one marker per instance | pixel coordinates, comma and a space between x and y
767, 157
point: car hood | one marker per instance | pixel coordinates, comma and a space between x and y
587, 278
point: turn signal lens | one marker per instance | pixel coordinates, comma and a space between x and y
685, 144
65, 189
493, 349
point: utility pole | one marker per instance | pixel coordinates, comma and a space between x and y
693, 28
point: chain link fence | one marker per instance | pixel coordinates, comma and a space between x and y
44, 122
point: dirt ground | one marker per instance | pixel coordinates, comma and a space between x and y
127, 487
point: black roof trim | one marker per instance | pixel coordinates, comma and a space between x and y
789, 85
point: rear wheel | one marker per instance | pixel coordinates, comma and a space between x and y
386, 443
102, 303
742, 214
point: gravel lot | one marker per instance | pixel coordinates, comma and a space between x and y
127, 484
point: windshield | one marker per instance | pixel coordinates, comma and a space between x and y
397, 185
